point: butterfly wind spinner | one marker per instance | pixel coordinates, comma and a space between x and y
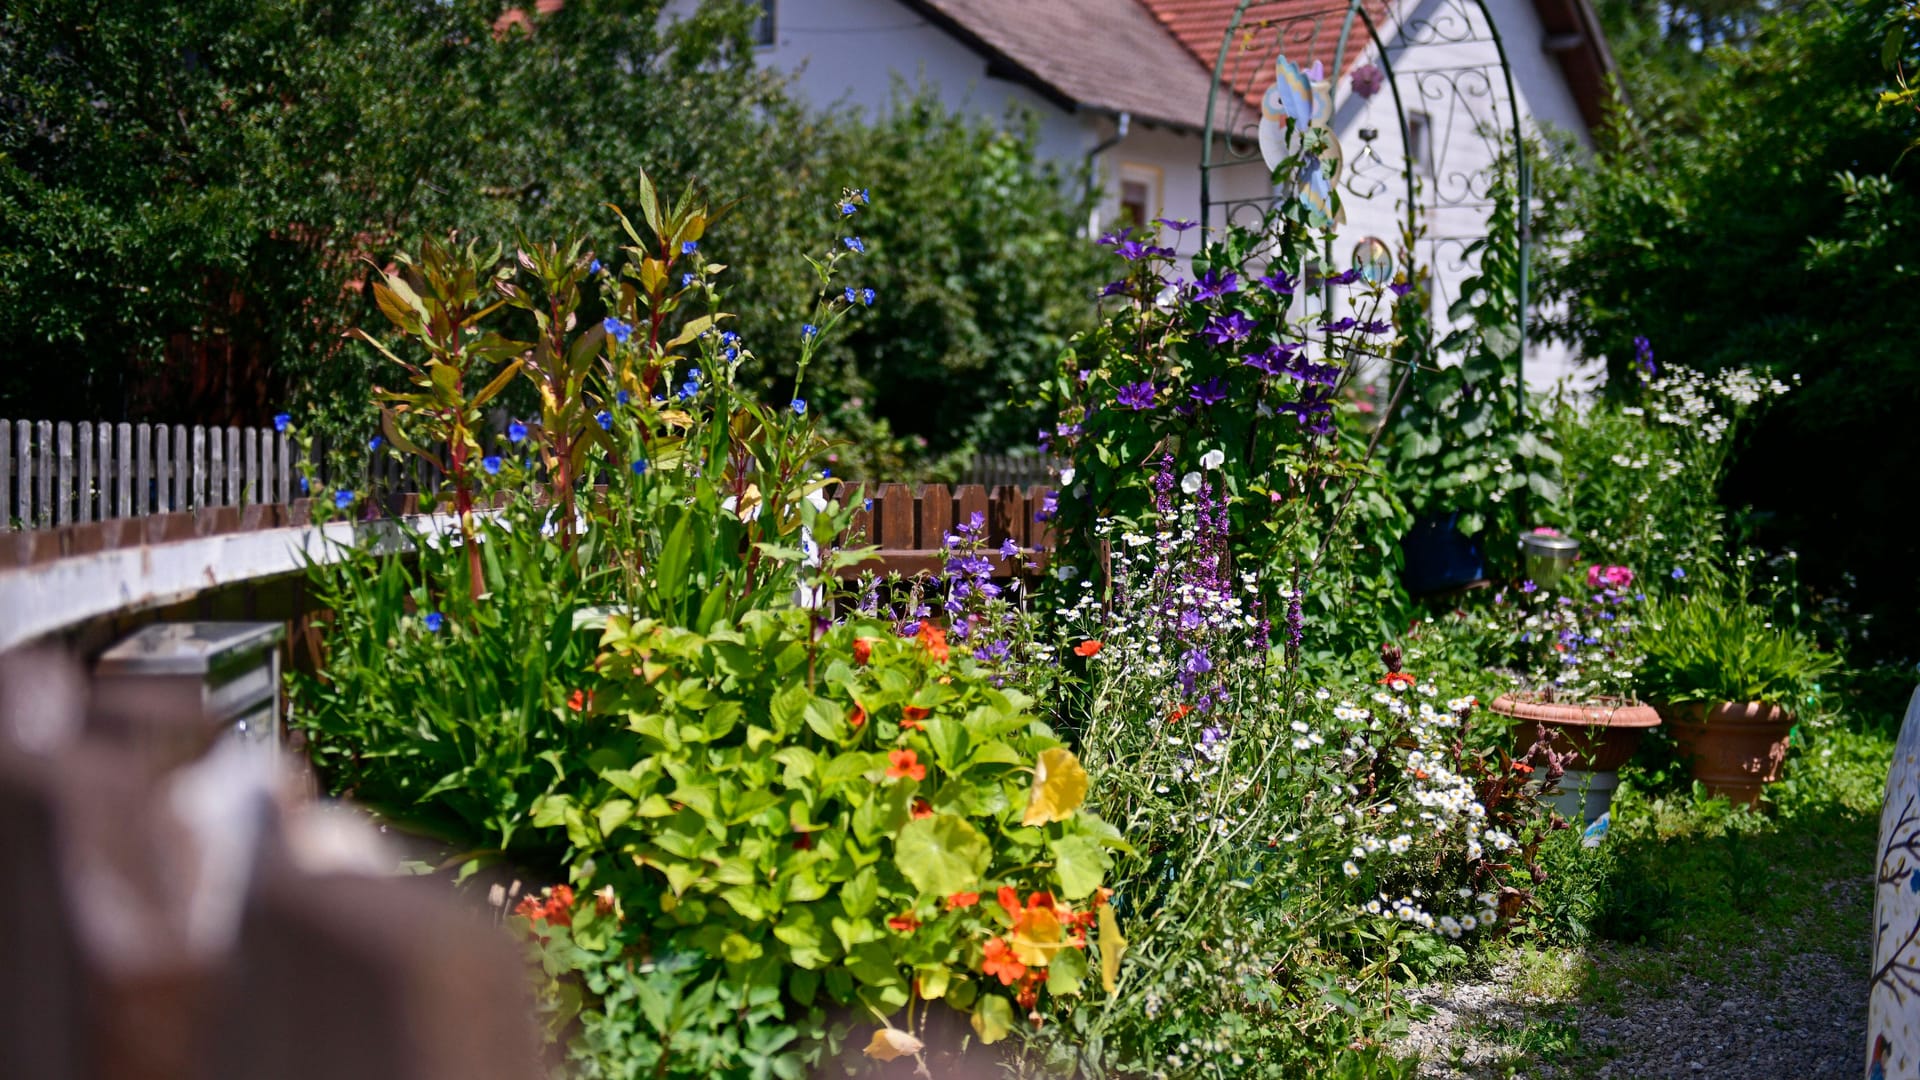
1297, 101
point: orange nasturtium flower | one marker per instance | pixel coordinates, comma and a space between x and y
962, 900
857, 717
921, 808
862, 650
905, 765
1398, 680
1089, 647
935, 639
915, 714
905, 924
1001, 964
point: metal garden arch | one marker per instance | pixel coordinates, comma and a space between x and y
1442, 61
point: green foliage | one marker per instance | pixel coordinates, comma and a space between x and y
1462, 442
1770, 229
822, 819
1715, 645
1641, 473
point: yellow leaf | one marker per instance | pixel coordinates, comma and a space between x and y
1112, 947
890, 1043
1036, 936
1059, 787
933, 980
992, 1018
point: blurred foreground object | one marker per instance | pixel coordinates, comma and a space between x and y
172, 908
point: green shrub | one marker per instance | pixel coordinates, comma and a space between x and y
1716, 646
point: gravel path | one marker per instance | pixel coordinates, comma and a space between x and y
1684, 1011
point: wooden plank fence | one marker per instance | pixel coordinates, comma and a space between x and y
1022, 469
67, 473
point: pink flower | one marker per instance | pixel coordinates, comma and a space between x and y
1613, 577
1546, 530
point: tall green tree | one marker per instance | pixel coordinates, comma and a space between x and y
1779, 230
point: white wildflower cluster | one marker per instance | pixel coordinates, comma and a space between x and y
1436, 817
1709, 404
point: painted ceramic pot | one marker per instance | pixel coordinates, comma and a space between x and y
1597, 736
1735, 748
1893, 1009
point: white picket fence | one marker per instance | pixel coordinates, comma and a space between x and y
66, 473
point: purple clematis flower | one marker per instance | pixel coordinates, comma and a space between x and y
1279, 282
1213, 285
1130, 249
1231, 327
1211, 392
1178, 226
1136, 396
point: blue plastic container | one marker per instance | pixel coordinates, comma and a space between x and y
1439, 556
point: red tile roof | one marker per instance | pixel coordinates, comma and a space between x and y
1109, 55
1310, 28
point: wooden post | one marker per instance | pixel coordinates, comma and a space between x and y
233, 466
143, 470
936, 515
43, 514
123, 471
969, 499
106, 470
283, 462
6, 474
251, 486
83, 505
23, 472
1007, 516
198, 491
182, 468
63, 504
893, 510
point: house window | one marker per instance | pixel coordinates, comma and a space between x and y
1139, 194
763, 23
1420, 142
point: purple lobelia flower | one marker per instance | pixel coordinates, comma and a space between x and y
1228, 328
1643, 354
1136, 396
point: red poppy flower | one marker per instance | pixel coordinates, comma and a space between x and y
862, 650
1089, 647
905, 765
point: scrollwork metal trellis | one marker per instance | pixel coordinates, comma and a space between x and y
1445, 69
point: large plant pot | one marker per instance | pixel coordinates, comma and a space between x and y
1597, 736
1439, 556
1596, 739
1735, 748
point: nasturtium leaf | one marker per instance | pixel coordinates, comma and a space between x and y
1112, 947
1080, 864
1067, 972
890, 1043
860, 892
933, 980
992, 1018
942, 855
1059, 787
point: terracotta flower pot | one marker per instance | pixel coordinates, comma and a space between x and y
1598, 736
1735, 748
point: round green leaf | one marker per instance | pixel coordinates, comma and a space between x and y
942, 854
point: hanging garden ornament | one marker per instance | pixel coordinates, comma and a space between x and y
1366, 80
1296, 101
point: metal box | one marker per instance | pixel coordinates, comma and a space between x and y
186, 684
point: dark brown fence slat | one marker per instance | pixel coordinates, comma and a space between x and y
968, 500
1006, 516
893, 509
936, 515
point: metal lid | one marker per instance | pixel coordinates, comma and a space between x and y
1542, 544
194, 648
